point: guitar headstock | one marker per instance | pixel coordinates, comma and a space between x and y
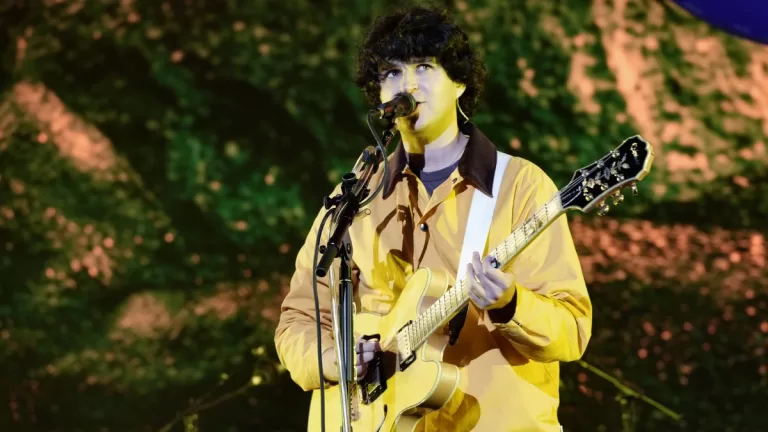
623, 167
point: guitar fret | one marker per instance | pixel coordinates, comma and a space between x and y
456, 296
418, 330
504, 244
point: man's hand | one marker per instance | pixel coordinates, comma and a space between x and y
489, 287
365, 351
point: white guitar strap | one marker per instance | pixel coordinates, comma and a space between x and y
476, 234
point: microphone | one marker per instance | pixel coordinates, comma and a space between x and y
401, 105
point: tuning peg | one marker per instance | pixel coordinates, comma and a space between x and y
603, 209
634, 189
618, 198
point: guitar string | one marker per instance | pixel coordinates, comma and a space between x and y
573, 185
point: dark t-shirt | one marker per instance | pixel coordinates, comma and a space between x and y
434, 179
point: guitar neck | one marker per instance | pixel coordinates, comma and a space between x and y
456, 297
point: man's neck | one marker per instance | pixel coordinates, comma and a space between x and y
437, 153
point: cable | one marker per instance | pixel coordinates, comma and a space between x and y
317, 320
385, 177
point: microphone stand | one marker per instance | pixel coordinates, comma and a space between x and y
354, 191
627, 398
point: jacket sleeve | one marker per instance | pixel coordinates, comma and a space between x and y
550, 315
296, 333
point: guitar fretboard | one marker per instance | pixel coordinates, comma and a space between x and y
451, 302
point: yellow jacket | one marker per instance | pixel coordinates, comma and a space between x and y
509, 356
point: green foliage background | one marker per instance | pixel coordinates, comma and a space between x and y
162, 161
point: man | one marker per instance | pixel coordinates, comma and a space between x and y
521, 322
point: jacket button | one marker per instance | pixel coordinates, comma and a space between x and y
423, 227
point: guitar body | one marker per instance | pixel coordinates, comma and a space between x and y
425, 385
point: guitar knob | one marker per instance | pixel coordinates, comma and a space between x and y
603, 209
634, 189
618, 198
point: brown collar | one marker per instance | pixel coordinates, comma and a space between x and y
476, 165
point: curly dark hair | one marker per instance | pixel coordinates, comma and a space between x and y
419, 32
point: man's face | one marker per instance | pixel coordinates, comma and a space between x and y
430, 85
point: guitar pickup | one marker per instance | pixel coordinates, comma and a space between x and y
406, 354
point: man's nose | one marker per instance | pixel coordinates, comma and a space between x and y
410, 82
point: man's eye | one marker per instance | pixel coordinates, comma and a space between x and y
389, 74
428, 66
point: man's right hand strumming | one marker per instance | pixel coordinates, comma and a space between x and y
365, 351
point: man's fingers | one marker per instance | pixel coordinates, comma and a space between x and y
366, 350
475, 299
369, 346
496, 277
473, 288
360, 371
479, 272
477, 265
366, 356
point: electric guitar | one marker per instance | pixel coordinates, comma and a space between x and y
408, 377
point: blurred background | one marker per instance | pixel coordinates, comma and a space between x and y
161, 161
